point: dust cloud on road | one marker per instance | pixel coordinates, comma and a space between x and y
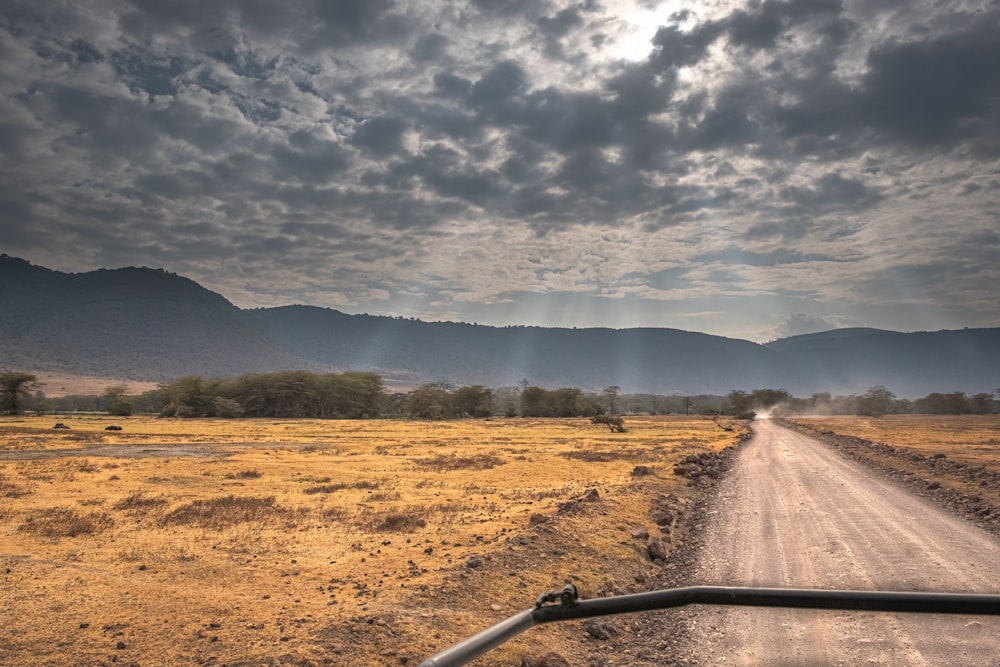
794, 514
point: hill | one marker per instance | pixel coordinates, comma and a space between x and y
909, 364
151, 325
135, 323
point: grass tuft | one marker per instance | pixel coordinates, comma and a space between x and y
58, 522
245, 474
11, 490
397, 521
218, 513
446, 462
138, 502
340, 486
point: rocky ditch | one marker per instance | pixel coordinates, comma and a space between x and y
969, 491
671, 533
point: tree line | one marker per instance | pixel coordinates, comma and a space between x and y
358, 395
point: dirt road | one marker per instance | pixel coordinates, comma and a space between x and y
794, 514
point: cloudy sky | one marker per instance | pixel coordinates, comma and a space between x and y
752, 170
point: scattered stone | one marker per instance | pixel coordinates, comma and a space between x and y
689, 469
548, 660
656, 549
600, 628
662, 517
933, 485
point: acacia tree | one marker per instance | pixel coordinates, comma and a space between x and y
612, 393
474, 401
876, 402
117, 401
15, 388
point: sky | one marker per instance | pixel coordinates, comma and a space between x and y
752, 170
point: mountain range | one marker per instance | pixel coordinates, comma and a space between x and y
148, 324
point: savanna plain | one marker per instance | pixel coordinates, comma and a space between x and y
300, 542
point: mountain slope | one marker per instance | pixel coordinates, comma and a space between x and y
654, 360
147, 324
909, 364
137, 323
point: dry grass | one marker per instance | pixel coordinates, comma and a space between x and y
970, 439
56, 522
945, 451
312, 542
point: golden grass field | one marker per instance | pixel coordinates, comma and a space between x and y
301, 542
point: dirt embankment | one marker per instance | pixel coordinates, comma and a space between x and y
969, 491
655, 638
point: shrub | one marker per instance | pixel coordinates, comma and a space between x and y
615, 424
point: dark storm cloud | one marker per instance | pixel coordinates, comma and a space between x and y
939, 91
760, 137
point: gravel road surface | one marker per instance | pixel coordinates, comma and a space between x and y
792, 513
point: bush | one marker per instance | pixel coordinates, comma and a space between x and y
615, 424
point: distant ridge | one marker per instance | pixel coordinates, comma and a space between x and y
148, 324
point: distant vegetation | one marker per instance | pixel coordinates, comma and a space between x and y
361, 395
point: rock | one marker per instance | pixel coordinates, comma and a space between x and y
933, 485
640, 533
548, 660
662, 517
641, 471
120, 646
600, 628
537, 518
60, 425
656, 549
568, 507
474, 562
590, 496
689, 469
